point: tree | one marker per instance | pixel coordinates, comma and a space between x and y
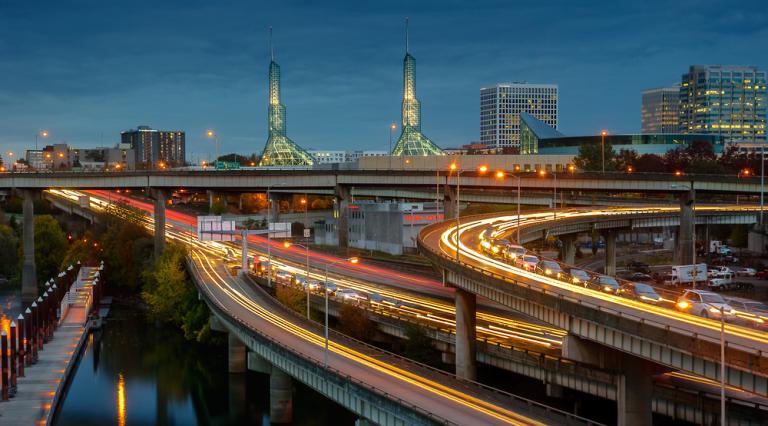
418, 347
354, 322
84, 249
165, 286
650, 163
50, 246
9, 252
291, 297
625, 159
590, 157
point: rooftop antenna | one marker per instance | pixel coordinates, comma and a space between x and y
271, 51
406, 34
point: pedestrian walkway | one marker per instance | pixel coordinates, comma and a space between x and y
40, 389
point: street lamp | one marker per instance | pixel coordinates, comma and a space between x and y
602, 147
215, 136
744, 173
455, 168
42, 134
392, 128
269, 235
501, 175
325, 287
543, 173
288, 244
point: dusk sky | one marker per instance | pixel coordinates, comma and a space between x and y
85, 70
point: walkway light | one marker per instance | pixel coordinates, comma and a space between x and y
571, 168
630, 169
678, 173
453, 166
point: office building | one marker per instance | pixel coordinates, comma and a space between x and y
61, 156
500, 108
724, 100
538, 138
660, 110
152, 147
411, 141
335, 157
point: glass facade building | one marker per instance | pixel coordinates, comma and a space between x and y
539, 140
724, 100
502, 104
660, 110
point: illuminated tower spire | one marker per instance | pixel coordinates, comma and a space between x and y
411, 141
280, 150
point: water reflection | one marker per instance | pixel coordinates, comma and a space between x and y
140, 374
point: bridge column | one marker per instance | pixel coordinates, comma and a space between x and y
236, 358
686, 233
610, 253
466, 304
361, 421
449, 202
280, 397
258, 364
211, 197
569, 248
29, 268
634, 392
342, 201
160, 199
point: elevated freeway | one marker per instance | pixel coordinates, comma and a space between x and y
644, 338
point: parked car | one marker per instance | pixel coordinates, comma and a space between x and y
579, 276
639, 276
527, 262
639, 267
642, 292
746, 272
607, 284
550, 268
705, 304
750, 312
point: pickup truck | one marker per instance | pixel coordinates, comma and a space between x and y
720, 284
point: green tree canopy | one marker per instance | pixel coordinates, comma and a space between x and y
590, 157
50, 247
9, 252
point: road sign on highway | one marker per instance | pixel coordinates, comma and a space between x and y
214, 228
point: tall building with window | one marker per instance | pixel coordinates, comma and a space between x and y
501, 105
660, 110
152, 147
725, 100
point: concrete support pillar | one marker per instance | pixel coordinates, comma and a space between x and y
634, 392
29, 268
211, 199
466, 304
610, 253
364, 422
686, 234
342, 201
449, 202
236, 359
569, 248
160, 199
280, 397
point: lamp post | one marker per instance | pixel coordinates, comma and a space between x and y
745, 173
269, 235
42, 134
602, 147
288, 244
500, 175
215, 136
543, 173
455, 168
325, 287
392, 127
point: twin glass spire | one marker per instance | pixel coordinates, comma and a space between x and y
411, 141
280, 150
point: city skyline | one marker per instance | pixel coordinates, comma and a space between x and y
344, 69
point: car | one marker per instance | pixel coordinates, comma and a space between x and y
606, 283
313, 285
550, 268
579, 276
639, 267
642, 292
513, 251
720, 284
639, 276
348, 295
750, 312
283, 277
527, 262
329, 287
762, 275
746, 272
705, 304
